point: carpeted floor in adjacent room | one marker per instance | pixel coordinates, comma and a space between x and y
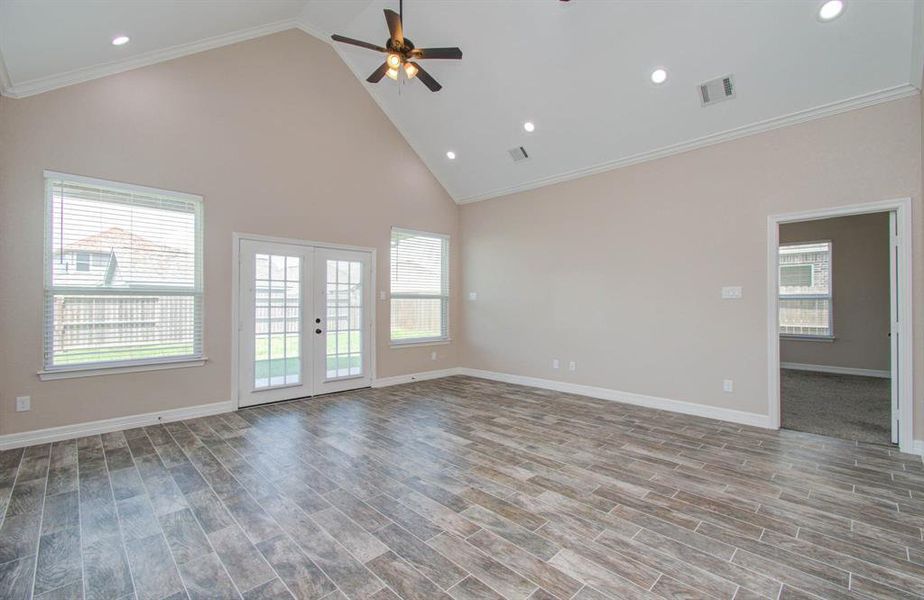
843, 406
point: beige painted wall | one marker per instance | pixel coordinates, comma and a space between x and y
621, 272
860, 296
277, 135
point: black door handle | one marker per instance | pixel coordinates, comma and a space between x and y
317, 331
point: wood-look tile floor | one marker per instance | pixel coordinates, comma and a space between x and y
459, 488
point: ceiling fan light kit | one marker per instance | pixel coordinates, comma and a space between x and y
401, 54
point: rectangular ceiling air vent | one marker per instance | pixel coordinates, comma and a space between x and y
518, 154
717, 90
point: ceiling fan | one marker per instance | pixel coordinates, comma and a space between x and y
401, 53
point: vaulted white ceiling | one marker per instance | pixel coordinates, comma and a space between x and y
578, 70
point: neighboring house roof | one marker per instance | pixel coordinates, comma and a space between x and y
133, 260
113, 238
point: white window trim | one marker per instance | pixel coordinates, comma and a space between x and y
824, 337
421, 342
95, 369
429, 341
198, 358
805, 337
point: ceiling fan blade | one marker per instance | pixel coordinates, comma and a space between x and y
360, 43
426, 79
378, 74
394, 27
451, 53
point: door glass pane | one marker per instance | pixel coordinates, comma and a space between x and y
277, 321
344, 326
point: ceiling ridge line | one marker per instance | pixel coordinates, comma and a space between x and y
795, 118
82, 75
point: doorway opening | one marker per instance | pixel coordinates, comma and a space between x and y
839, 322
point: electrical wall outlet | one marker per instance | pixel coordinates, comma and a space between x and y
473, 295
433, 356
555, 364
23, 403
572, 366
731, 292
728, 385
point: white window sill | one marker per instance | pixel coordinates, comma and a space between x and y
806, 338
413, 344
91, 371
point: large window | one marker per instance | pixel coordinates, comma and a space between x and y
123, 275
419, 287
805, 290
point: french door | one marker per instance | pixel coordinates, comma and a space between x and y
304, 326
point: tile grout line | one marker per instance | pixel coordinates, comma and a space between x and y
38, 545
22, 458
83, 570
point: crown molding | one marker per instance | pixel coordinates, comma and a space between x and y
46, 84
313, 31
827, 110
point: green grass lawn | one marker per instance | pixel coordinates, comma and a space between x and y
278, 355
275, 356
86, 355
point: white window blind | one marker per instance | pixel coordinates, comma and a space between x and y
123, 274
805, 290
419, 286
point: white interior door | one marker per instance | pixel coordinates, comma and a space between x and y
893, 322
304, 321
342, 323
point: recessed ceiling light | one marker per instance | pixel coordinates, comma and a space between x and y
658, 76
120, 40
831, 10
451, 155
529, 126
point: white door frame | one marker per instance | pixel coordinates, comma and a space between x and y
236, 238
904, 366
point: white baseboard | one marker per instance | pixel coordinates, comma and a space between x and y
678, 406
66, 432
381, 382
836, 370
917, 447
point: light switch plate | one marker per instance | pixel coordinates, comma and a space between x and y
473, 295
728, 385
731, 292
23, 403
